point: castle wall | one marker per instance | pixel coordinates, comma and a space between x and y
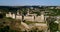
18, 17
27, 18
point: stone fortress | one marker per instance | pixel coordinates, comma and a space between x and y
28, 17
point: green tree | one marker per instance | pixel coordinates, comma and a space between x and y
52, 26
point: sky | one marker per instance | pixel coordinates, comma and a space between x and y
29, 2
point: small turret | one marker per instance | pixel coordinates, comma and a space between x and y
17, 12
42, 16
28, 12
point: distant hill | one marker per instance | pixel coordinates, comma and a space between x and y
15, 8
